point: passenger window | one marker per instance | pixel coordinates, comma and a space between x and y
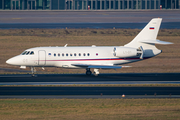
54, 54
70, 54
66, 54
63, 54
32, 53
24, 53
27, 52
96, 54
79, 54
84, 54
74, 54
49, 54
88, 54
59, 54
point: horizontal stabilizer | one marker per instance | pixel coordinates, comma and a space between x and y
156, 42
100, 66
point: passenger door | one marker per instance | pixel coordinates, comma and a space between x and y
42, 57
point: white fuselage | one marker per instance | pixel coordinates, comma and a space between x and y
66, 56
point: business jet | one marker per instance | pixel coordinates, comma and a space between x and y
93, 57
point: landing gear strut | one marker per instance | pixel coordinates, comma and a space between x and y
33, 70
88, 71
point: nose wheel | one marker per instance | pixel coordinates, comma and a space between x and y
88, 71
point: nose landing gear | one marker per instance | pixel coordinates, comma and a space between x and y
33, 70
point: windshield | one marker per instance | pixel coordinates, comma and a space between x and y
32, 53
28, 53
24, 53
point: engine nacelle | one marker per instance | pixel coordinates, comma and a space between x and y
126, 52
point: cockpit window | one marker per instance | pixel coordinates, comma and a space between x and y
24, 53
32, 53
27, 52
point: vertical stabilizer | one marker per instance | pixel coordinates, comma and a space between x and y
149, 33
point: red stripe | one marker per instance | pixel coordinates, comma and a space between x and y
96, 59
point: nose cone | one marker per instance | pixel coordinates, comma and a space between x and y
9, 61
13, 61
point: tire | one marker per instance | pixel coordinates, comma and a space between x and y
88, 72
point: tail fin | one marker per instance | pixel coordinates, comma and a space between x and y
147, 37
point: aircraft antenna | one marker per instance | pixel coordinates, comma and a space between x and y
65, 45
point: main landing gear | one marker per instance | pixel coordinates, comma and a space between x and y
88, 72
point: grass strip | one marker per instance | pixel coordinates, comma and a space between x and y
80, 109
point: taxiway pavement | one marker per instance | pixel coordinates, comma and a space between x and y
87, 19
123, 78
88, 16
89, 92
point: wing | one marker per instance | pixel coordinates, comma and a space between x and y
99, 66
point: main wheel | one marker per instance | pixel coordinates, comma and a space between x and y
88, 72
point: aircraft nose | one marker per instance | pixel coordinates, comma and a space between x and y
9, 61
13, 61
